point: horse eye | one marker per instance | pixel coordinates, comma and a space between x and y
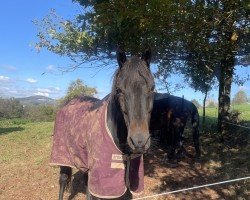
118, 90
125, 113
153, 88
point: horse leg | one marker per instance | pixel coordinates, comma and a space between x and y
181, 151
168, 136
196, 134
171, 152
64, 180
90, 196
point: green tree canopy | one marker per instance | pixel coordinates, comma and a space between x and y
202, 39
189, 37
76, 89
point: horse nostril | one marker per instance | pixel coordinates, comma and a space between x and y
137, 142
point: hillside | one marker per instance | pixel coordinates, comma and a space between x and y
37, 100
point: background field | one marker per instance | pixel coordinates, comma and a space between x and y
244, 109
25, 173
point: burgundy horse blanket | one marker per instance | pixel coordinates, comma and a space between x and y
82, 140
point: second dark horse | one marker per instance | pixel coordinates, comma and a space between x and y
170, 115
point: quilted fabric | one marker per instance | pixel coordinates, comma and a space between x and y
82, 140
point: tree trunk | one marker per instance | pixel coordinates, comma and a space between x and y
226, 74
204, 109
228, 48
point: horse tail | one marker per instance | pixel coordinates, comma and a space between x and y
195, 129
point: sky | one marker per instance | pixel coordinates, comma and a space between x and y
22, 67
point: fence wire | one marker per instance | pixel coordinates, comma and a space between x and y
193, 188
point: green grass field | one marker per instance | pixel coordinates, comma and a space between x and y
212, 115
244, 109
33, 137
24, 153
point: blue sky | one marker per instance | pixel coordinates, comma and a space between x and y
21, 67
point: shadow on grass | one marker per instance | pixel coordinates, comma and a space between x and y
8, 130
219, 162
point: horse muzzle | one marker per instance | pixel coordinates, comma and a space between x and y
139, 143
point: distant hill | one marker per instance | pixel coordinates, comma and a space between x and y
36, 100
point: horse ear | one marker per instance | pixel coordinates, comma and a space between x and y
121, 56
146, 56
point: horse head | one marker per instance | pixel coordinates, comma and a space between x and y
133, 89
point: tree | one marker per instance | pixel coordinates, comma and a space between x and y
10, 108
76, 89
215, 38
211, 104
39, 112
202, 39
240, 97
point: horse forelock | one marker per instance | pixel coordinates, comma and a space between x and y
135, 70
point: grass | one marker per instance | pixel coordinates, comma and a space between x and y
244, 109
24, 156
25, 149
212, 113
22, 140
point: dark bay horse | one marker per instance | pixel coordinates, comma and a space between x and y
127, 119
170, 114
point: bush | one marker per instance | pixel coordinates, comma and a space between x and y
10, 108
39, 112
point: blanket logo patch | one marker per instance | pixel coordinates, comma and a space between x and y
115, 165
117, 157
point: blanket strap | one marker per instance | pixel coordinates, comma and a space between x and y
127, 182
128, 159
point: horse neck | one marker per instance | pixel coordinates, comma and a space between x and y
115, 122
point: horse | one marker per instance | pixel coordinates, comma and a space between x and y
121, 131
170, 114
